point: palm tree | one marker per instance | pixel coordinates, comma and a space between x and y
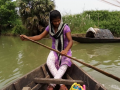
35, 14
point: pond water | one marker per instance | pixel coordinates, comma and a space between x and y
20, 57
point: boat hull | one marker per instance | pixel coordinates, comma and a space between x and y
73, 73
95, 40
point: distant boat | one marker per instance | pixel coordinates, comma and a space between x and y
39, 79
95, 35
94, 40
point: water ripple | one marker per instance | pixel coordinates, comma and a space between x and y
115, 87
16, 70
11, 78
107, 61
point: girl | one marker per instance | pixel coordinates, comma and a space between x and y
61, 41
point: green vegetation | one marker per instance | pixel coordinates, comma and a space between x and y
8, 14
106, 20
78, 23
97, 19
31, 19
16, 28
33, 15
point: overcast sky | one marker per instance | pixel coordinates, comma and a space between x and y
78, 6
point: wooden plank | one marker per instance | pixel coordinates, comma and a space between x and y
26, 88
80, 74
32, 84
97, 86
45, 71
68, 77
28, 78
46, 76
57, 81
37, 87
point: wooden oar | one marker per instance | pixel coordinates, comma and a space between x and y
90, 66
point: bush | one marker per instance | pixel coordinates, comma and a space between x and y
102, 19
78, 23
19, 29
106, 20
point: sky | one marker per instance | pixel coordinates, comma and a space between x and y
78, 6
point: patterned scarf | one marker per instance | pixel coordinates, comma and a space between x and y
59, 40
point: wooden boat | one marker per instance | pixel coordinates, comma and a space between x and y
95, 35
94, 40
39, 79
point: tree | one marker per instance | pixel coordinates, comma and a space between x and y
8, 13
35, 14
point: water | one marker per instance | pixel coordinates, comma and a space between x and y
20, 57
103, 56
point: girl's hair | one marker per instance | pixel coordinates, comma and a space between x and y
54, 14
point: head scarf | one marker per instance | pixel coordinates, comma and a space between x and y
59, 39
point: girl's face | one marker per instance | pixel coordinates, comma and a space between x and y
56, 22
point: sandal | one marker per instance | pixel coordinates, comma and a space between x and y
63, 87
50, 87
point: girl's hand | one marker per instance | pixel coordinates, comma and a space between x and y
64, 52
22, 37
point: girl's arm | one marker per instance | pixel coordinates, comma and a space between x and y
70, 43
37, 37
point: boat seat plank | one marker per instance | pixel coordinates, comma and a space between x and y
37, 87
26, 88
57, 81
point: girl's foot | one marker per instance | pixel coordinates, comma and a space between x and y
50, 87
63, 87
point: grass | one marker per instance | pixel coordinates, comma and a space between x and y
79, 23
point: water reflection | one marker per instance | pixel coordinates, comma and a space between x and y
8, 63
18, 58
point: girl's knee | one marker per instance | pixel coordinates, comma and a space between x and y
63, 67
